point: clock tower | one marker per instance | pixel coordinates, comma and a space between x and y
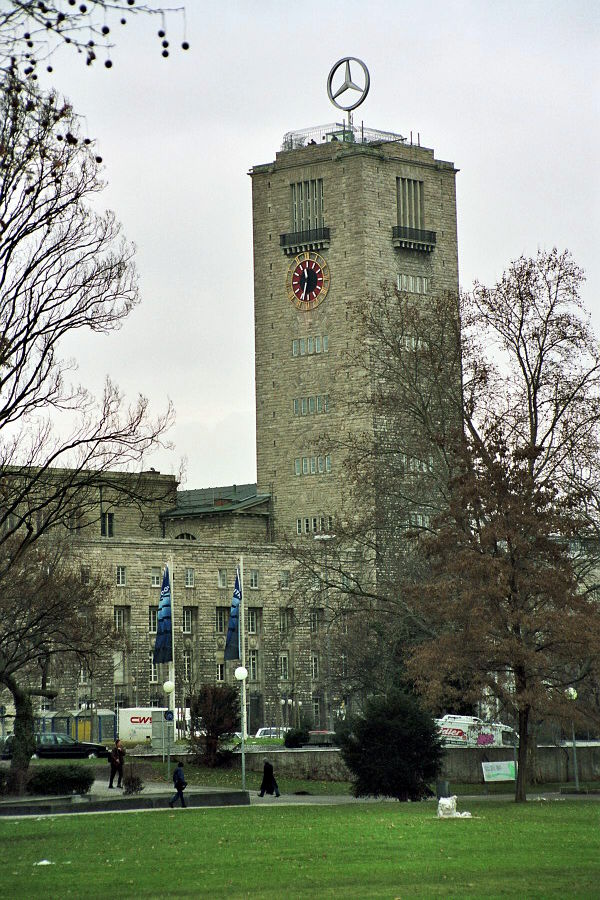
339, 212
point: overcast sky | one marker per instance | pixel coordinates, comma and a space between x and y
508, 91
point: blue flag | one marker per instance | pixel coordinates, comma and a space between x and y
232, 644
163, 648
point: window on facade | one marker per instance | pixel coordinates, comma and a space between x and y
220, 672
121, 576
317, 343
155, 576
314, 665
222, 579
311, 345
305, 464
284, 579
284, 665
153, 669
311, 404
328, 463
410, 203
152, 619
304, 406
254, 579
187, 665
253, 665
321, 464
295, 347
286, 619
297, 466
221, 619
316, 617
314, 523
85, 574
83, 675
307, 204
252, 620
416, 284
316, 706
344, 665
302, 346
185, 536
189, 578
107, 524
121, 614
296, 407
187, 619
306, 525
298, 526
325, 343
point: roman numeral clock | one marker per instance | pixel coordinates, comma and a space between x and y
307, 280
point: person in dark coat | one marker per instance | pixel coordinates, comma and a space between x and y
179, 783
268, 785
116, 758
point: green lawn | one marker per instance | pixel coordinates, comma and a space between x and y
386, 850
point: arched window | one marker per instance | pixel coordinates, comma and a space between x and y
185, 536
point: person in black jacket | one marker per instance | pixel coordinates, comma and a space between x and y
269, 785
116, 758
179, 783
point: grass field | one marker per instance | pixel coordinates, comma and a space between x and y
386, 850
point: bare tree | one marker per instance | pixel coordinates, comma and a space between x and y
31, 31
63, 268
475, 491
47, 615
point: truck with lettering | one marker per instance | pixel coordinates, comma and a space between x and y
135, 723
470, 731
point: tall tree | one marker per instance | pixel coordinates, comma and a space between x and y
474, 517
516, 615
49, 619
63, 268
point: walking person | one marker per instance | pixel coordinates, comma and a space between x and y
179, 783
116, 758
268, 785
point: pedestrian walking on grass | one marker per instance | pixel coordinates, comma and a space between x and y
116, 758
179, 783
269, 785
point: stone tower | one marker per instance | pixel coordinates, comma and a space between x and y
337, 214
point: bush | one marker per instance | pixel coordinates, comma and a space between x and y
61, 780
296, 738
393, 749
132, 783
3, 782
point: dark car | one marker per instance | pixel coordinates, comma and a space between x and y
58, 746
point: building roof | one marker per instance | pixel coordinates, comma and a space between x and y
217, 500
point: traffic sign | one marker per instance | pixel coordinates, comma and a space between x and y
169, 715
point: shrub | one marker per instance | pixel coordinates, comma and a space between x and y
61, 780
3, 782
393, 749
217, 709
132, 782
296, 738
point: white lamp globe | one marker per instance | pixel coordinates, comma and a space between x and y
168, 687
241, 673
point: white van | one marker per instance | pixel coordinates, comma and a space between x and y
278, 731
470, 731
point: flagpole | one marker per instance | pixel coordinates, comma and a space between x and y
172, 663
243, 647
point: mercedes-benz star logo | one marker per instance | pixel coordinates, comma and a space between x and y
348, 84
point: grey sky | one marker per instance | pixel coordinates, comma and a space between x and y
506, 90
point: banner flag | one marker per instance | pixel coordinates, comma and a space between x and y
163, 648
232, 644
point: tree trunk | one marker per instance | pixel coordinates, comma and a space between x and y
24, 740
521, 783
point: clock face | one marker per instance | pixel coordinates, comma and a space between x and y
307, 280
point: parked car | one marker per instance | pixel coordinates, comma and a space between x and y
58, 746
278, 731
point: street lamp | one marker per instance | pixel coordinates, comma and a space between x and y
168, 688
572, 695
241, 673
